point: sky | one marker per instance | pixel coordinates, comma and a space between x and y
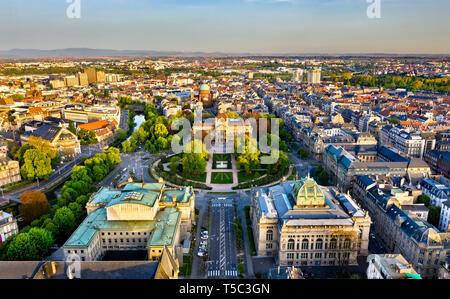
230, 26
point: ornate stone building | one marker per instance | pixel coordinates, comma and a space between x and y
302, 223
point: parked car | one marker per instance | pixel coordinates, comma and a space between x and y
204, 237
201, 253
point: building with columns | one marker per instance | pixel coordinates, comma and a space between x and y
303, 224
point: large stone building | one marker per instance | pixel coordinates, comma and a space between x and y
302, 223
59, 138
402, 226
140, 217
344, 166
8, 226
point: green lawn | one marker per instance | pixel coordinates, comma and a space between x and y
222, 178
222, 157
200, 178
243, 177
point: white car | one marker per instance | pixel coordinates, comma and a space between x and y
204, 237
201, 253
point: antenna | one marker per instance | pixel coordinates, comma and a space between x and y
142, 174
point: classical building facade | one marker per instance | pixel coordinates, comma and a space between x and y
61, 139
302, 223
402, 228
141, 216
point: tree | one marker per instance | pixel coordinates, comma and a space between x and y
65, 220
323, 177
434, 215
33, 204
193, 164
281, 165
303, 153
42, 240
422, 198
72, 127
43, 145
22, 249
77, 211
121, 134
394, 121
18, 156
87, 137
160, 130
36, 165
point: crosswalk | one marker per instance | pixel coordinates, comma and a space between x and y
218, 273
218, 205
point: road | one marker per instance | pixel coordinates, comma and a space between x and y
222, 245
60, 171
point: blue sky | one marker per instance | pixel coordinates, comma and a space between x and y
257, 26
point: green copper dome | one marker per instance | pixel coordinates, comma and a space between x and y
204, 87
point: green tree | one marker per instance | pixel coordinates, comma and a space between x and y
65, 220
42, 240
36, 165
77, 211
72, 127
422, 198
22, 248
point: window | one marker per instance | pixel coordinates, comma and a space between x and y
318, 255
333, 244
269, 235
304, 256
290, 256
347, 243
291, 243
305, 244
269, 246
319, 244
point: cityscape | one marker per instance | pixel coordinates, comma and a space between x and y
203, 165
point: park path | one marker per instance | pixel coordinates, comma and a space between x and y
221, 187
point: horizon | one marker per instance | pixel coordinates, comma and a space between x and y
259, 27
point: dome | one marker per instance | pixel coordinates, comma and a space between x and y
204, 87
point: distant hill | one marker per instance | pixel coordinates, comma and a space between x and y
88, 52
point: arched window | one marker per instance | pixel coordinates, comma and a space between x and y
347, 243
333, 244
269, 235
319, 244
290, 244
305, 244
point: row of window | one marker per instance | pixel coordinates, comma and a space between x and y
317, 255
126, 233
318, 245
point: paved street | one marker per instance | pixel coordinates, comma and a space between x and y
222, 248
60, 171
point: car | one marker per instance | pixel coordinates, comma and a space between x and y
204, 232
201, 253
204, 228
204, 237
203, 242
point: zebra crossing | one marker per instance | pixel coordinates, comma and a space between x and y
218, 273
218, 205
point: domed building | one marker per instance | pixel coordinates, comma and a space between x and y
204, 93
304, 224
